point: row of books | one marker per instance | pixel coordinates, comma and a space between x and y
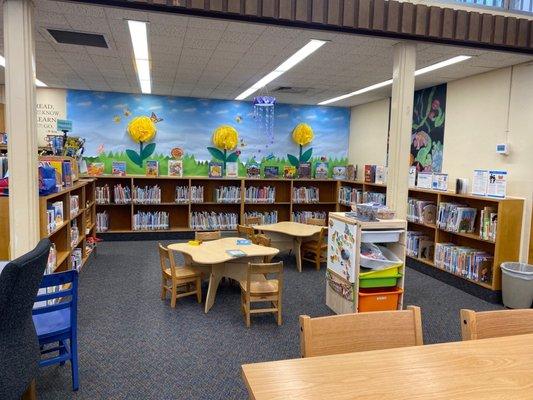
420, 245
102, 194
54, 214
122, 194
464, 261
488, 223
197, 194
349, 195
266, 217
374, 197
422, 211
74, 205
375, 174
455, 217
212, 220
305, 195
303, 216
228, 194
147, 194
265, 194
64, 175
102, 221
182, 194
152, 221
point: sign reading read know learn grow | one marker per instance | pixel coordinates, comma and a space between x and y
64, 125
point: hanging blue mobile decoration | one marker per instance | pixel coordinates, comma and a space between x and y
264, 115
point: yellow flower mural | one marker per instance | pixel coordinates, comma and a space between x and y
141, 129
302, 134
225, 137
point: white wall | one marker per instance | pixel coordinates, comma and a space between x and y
369, 124
476, 120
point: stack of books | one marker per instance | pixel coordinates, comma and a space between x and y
420, 245
102, 221
349, 195
74, 205
303, 216
147, 195
374, 197
454, 217
266, 217
197, 194
305, 195
151, 221
422, 211
469, 263
488, 223
228, 194
182, 194
122, 194
212, 220
265, 194
102, 195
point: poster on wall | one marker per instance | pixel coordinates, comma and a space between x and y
199, 131
427, 134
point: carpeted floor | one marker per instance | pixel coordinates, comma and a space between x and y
134, 346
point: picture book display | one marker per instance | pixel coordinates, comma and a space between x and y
289, 172
152, 168
253, 170
370, 173
464, 261
95, 169
497, 185
271, 171
118, 168
455, 217
439, 182
351, 172
412, 177
424, 180
215, 169
304, 171
480, 182
339, 172
232, 169
381, 174
175, 168
321, 170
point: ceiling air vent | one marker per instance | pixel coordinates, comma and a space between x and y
79, 38
290, 89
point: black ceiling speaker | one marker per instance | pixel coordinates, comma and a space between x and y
79, 38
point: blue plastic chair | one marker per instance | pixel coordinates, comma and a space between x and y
57, 323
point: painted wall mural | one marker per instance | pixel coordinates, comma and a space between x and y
110, 122
427, 140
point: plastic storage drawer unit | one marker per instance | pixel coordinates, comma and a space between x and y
380, 278
379, 299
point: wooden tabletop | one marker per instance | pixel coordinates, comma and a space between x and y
290, 228
214, 251
500, 368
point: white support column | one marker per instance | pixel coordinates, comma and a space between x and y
403, 86
19, 47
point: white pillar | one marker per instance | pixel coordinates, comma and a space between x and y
19, 47
403, 86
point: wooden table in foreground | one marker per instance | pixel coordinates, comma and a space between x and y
500, 368
289, 235
212, 257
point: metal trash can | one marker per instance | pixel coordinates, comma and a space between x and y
517, 284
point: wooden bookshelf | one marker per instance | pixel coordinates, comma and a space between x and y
360, 185
61, 236
506, 247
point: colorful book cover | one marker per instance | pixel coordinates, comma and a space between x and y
440, 182
304, 171
370, 173
118, 168
321, 170
175, 168
351, 172
253, 170
215, 169
152, 168
412, 177
381, 174
67, 173
232, 169
289, 172
271, 171
339, 172
96, 169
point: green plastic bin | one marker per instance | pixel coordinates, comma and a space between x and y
383, 278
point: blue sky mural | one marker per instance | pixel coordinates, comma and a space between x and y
102, 118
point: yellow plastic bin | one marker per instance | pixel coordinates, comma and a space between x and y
382, 278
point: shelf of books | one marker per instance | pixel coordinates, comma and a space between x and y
360, 192
467, 236
67, 218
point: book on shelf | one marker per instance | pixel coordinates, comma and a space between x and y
421, 211
197, 194
271, 171
182, 194
304, 216
152, 221
232, 169
497, 185
102, 194
370, 173
439, 182
457, 218
253, 170
212, 221
66, 176
74, 205
488, 223
480, 182
321, 170
122, 194
102, 221
467, 262
95, 168
76, 259
339, 172
348, 195
74, 234
228, 194
175, 168
147, 195
152, 168
420, 245
424, 180
374, 197
51, 264
381, 174
215, 169
289, 172
265, 194
305, 194
118, 168
267, 217
304, 170
57, 207
351, 172
3, 167
412, 177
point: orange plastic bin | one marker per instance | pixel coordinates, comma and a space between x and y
379, 299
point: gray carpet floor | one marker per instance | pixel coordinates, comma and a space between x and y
132, 345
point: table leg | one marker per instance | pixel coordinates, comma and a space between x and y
214, 281
297, 242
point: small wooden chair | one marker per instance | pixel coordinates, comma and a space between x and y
350, 333
246, 231
206, 236
258, 288
490, 324
315, 250
174, 278
252, 221
263, 240
316, 221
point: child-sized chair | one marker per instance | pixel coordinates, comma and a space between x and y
490, 324
315, 250
205, 236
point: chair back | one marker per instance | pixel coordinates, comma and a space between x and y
316, 221
206, 236
19, 347
252, 220
262, 240
323, 235
490, 324
166, 259
274, 270
365, 331
62, 292
245, 231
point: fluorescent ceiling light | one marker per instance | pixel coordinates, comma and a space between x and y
300, 55
37, 81
418, 72
139, 41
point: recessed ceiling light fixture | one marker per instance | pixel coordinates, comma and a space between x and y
37, 81
418, 72
300, 55
139, 41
